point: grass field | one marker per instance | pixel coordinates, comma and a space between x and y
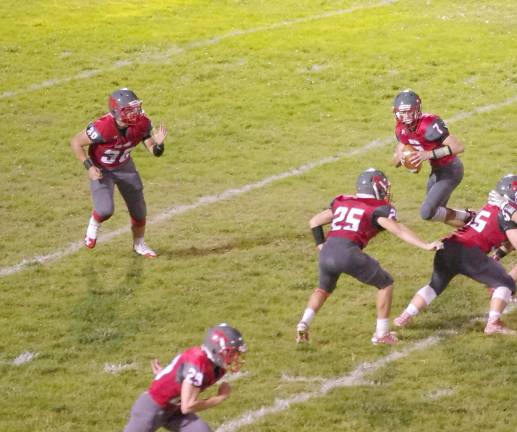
251, 90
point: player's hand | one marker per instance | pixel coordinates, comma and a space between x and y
418, 157
436, 245
496, 199
156, 366
224, 390
160, 134
398, 158
94, 173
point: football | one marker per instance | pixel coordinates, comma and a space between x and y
406, 163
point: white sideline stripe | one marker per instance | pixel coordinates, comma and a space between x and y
230, 193
164, 56
354, 378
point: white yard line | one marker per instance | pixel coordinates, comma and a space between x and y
165, 56
354, 378
231, 193
24, 357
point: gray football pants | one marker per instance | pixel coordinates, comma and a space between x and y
147, 416
442, 182
130, 186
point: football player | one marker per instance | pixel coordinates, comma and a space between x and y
173, 398
104, 148
465, 252
354, 220
430, 138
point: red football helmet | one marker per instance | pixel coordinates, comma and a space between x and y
224, 345
125, 106
507, 187
407, 108
374, 183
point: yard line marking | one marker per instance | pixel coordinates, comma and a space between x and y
290, 378
230, 193
356, 377
24, 357
116, 368
164, 56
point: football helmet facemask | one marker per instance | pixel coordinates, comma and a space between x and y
125, 106
507, 187
374, 182
225, 346
407, 108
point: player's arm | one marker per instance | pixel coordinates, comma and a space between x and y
509, 209
156, 142
455, 145
404, 233
450, 146
512, 237
316, 224
398, 155
78, 145
191, 402
502, 251
438, 133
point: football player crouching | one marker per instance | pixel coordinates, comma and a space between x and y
354, 220
173, 399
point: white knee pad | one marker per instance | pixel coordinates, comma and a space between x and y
427, 293
439, 216
502, 293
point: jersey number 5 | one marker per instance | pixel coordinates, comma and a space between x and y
347, 219
481, 220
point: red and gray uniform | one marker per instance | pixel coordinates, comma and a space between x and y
110, 151
354, 223
465, 251
446, 173
160, 405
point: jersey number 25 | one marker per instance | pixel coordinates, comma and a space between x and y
347, 219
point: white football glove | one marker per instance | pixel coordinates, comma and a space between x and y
494, 198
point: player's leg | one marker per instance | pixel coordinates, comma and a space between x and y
187, 423
103, 207
440, 186
328, 277
487, 271
144, 415
316, 301
131, 188
367, 270
443, 272
513, 272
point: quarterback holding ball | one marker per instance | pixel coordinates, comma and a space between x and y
422, 136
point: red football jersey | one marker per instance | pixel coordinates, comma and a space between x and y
192, 365
429, 134
355, 218
111, 147
486, 231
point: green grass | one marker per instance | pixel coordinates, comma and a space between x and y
242, 107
